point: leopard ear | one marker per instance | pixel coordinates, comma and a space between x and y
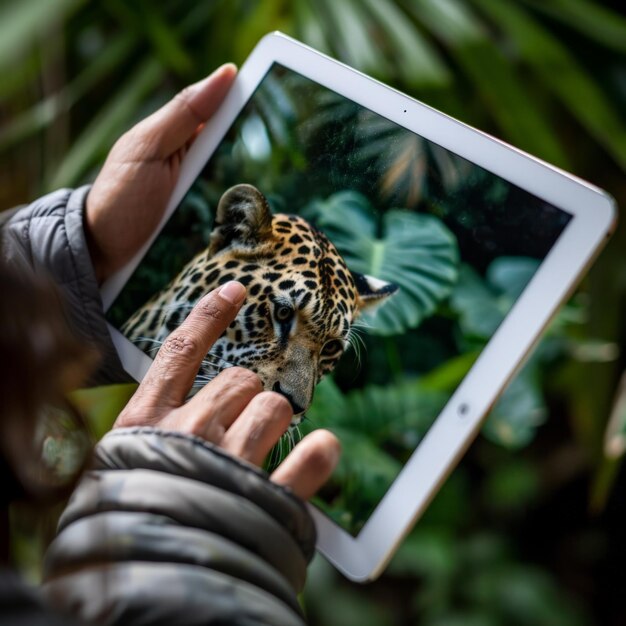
243, 217
372, 291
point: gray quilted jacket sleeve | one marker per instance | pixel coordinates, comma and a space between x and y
168, 529
47, 236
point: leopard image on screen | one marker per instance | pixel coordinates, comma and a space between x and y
301, 305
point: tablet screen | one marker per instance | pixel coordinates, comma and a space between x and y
450, 247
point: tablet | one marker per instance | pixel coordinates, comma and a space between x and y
407, 260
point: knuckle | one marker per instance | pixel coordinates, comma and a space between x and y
130, 136
276, 403
180, 345
182, 97
184, 100
242, 377
208, 308
183, 94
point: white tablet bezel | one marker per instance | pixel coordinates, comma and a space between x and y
363, 557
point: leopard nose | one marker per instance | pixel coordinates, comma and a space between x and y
296, 408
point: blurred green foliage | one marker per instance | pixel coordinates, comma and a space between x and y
545, 76
86, 71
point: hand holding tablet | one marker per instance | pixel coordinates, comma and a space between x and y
348, 193
129, 196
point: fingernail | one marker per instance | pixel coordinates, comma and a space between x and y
200, 85
232, 292
230, 66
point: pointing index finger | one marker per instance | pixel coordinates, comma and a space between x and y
170, 377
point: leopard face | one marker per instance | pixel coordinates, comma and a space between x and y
301, 299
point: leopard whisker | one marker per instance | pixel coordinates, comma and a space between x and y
216, 361
280, 451
356, 332
206, 378
141, 339
271, 462
198, 383
360, 324
210, 359
357, 343
359, 329
353, 342
297, 433
290, 441
172, 306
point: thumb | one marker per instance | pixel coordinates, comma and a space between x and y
174, 124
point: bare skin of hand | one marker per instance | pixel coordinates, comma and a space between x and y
232, 411
130, 194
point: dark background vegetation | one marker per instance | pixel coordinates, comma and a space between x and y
524, 534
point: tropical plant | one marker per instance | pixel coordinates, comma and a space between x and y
414, 251
544, 76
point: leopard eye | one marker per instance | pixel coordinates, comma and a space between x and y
332, 348
283, 313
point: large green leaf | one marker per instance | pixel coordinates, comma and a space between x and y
416, 252
482, 304
479, 312
510, 275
